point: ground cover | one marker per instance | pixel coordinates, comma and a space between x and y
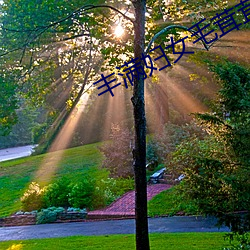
170, 241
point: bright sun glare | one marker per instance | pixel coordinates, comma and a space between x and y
119, 30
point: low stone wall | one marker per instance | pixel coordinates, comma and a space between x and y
30, 219
19, 220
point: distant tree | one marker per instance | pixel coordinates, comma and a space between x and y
8, 105
118, 158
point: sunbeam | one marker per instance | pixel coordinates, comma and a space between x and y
51, 161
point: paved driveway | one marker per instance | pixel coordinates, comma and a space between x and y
156, 225
14, 153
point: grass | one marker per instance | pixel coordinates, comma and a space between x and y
16, 175
170, 241
169, 203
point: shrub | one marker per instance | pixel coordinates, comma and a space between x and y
73, 209
243, 242
38, 131
109, 189
48, 215
123, 185
166, 141
152, 155
81, 194
57, 193
33, 197
103, 195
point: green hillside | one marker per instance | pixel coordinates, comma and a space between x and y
16, 175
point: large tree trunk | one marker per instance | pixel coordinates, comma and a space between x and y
139, 152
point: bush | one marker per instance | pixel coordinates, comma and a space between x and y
48, 215
38, 131
81, 194
78, 210
152, 155
109, 189
33, 197
166, 141
243, 242
103, 194
123, 185
57, 193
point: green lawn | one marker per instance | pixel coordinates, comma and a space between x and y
16, 175
170, 202
170, 241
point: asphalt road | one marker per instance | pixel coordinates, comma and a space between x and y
156, 225
14, 153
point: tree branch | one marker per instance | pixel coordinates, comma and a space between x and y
174, 27
42, 29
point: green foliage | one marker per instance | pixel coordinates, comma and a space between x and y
216, 168
103, 193
166, 141
81, 194
32, 198
8, 105
243, 242
38, 131
123, 185
152, 156
57, 193
108, 190
205, 175
118, 153
233, 111
48, 215
22, 132
74, 209
91, 193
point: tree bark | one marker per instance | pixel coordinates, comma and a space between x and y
139, 151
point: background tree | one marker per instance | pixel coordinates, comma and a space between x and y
8, 105
118, 155
216, 168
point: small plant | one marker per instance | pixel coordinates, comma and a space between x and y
33, 197
48, 215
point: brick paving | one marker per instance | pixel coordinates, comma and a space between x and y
124, 207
